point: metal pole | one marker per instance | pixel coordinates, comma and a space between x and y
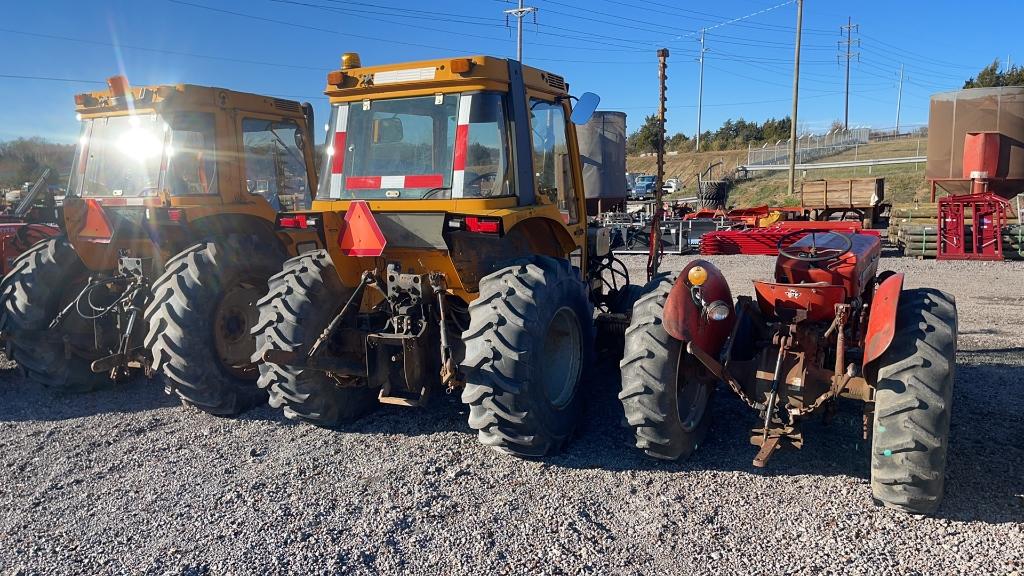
796, 96
849, 39
519, 43
899, 98
654, 255
520, 12
700, 88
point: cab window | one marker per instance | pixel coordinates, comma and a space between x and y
552, 167
487, 149
274, 164
192, 158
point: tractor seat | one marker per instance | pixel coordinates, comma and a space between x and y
812, 289
849, 270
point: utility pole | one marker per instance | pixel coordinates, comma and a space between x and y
519, 13
700, 86
796, 96
849, 42
899, 98
654, 255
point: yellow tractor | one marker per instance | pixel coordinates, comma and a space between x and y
168, 240
455, 254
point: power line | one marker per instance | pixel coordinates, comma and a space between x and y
160, 51
51, 79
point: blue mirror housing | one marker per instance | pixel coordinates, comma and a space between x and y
584, 108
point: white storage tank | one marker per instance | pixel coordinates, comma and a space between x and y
603, 152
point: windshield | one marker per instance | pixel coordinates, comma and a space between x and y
119, 156
139, 154
646, 180
430, 147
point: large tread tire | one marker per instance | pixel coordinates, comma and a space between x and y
301, 300
30, 298
650, 376
504, 362
912, 403
182, 323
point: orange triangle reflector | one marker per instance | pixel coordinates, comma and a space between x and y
361, 236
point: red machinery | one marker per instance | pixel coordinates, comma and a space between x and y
765, 241
826, 326
27, 224
982, 239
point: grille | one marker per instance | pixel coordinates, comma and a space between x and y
288, 105
555, 81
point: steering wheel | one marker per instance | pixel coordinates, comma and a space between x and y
476, 180
813, 254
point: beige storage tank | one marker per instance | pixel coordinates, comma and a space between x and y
953, 115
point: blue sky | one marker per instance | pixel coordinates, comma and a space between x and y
285, 47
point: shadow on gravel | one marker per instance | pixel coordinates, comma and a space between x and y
443, 413
983, 480
21, 400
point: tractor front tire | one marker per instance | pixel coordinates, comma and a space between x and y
913, 398
529, 346
200, 321
31, 296
302, 299
667, 411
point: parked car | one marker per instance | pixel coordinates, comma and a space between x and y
643, 188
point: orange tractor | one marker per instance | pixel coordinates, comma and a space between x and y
827, 326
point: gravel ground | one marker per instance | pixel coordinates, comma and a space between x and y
126, 481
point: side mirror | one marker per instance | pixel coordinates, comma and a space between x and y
584, 108
387, 130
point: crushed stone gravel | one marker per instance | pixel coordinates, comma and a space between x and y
126, 481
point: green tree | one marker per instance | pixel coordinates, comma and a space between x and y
990, 76
645, 139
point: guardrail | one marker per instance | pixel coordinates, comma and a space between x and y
826, 165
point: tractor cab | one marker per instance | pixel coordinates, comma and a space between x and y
817, 272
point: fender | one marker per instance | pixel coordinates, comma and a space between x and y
685, 318
882, 318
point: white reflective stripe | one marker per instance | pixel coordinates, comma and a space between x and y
342, 122
340, 125
411, 75
459, 176
465, 105
392, 182
458, 179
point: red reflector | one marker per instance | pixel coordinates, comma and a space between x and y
483, 225
296, 221
361, 236
95, 227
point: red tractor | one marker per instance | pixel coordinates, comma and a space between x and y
827, 327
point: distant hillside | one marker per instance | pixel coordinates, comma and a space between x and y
24, 159
903, 182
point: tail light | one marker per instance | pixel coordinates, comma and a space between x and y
477, 224
96, 226
297, 221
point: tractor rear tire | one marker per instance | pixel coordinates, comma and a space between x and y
301, 301
200, 321
913, 399
652, 379
529, 347
31, 296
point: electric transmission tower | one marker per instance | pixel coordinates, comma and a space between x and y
847, 46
